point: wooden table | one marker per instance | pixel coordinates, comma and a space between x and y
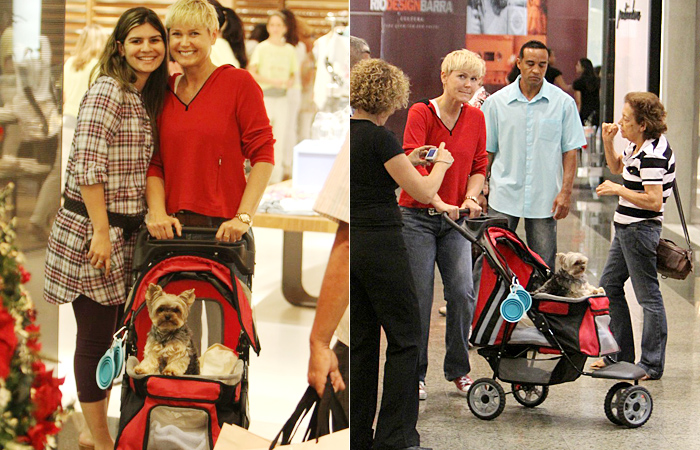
294, 227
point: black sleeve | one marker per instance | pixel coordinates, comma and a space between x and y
579, 85
388, 145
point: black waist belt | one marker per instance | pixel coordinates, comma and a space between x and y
128, 223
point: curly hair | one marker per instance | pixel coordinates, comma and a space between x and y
649, 111
377, 87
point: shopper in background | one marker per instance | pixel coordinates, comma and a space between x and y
447, 118
91, 246
554, 75
648, 168
382, 294
257, 35
294, 97
229, 47
587, 92
274, 66
359, 50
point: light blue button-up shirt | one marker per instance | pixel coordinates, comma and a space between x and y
527, 139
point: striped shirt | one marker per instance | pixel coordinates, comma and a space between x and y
653, 164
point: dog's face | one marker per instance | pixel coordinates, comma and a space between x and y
168, 312
573, 263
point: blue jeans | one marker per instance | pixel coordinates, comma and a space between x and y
633, 255
431, 240
540, 235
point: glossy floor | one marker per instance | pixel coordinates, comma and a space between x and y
572, 417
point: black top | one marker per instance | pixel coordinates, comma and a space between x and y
551, 74
590, 98
373, 191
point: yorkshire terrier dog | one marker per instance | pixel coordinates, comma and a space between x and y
570, 280
169, 348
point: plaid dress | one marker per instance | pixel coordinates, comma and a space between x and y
112, 145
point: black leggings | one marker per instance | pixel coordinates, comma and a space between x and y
96, 326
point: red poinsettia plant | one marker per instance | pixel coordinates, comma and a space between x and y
30, 399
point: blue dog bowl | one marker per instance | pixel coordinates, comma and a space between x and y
104, 374
512, 308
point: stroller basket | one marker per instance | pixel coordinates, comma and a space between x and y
527, 366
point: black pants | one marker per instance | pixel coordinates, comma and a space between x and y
96, 326
382, 295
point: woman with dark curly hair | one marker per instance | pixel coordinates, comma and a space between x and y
382, 295
648, 168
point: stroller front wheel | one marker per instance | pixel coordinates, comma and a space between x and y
530, 395
634, 407
486, 399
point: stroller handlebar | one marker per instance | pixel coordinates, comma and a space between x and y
475, 226
197, 239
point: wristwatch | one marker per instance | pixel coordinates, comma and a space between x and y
244, 217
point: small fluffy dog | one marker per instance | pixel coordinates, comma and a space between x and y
570, 280
169, 348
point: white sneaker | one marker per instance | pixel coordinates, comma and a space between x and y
443, 310
422, 393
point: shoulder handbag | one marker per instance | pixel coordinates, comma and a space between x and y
673, 261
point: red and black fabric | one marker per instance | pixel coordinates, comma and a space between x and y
187, 395
211, 280
506, 255
206, 399
578, 325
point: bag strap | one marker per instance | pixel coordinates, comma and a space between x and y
323, 408
32, 101
329, 407
307, 402
677, 196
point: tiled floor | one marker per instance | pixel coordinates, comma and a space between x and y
277, 377
572, 417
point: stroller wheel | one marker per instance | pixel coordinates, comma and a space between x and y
634, 407
486, 399
612, 400
530, 395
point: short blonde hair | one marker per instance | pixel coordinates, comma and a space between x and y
192, 12
377, 87
465, 60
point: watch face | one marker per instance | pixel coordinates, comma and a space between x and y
244, 217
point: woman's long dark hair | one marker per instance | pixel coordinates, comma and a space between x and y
290, 20
232, 31
113, 65
588, 76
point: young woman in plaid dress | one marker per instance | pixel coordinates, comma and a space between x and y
91, 245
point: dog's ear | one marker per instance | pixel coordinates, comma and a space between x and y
153, 291
560, 259
188, 296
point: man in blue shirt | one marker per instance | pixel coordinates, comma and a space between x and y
533, 133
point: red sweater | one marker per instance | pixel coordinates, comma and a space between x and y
203, 145
466, 142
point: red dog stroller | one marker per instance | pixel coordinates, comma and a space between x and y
553, 350
187, 412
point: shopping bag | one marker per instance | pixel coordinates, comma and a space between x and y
322, 432
233, 437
